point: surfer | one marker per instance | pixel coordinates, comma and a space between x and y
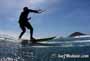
24, 23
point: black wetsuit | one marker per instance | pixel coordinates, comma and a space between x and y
23, 22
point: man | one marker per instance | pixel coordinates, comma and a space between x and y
23, 21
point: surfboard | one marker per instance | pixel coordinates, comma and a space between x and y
26, 41
41, 44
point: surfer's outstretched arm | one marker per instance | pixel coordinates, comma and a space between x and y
36, 11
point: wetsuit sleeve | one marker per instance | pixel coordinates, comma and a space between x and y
35, 11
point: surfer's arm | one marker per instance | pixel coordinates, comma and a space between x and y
35, 11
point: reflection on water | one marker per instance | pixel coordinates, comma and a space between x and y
10, 51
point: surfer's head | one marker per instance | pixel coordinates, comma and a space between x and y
25, 9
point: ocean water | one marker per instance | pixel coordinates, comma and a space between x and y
51, 51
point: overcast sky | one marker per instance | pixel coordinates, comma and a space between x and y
61, 17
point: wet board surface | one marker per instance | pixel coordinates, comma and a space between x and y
26, 41
39, 44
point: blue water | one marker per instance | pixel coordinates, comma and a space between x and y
54, 51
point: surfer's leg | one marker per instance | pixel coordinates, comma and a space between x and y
31, 33
23, 31
29, 26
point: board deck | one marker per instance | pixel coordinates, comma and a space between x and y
45, 39
41, 44
25, 41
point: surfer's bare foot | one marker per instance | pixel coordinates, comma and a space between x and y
33, 40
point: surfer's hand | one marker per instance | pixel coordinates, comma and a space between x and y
29, 18
40, 11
